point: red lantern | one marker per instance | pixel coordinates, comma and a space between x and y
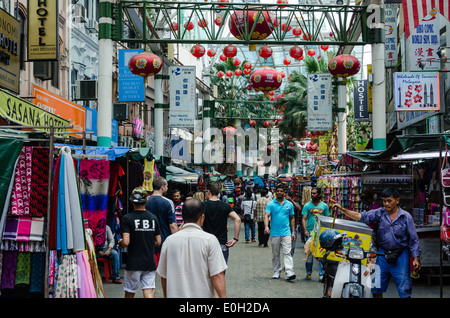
291, 144
248, 65
266, 123
282, 2
236, 62
271, 93
252, 122
223, 57
311, 52
238, 72
344, 66
283, 75
282, 144
211, 52
265, 52
145, 64
240, 21
219, 20
220, 74
229, 130
247, 71
223, 1
229, 73
296, 52
198, 51
297, 31
286, 61
285, 27
266, 79
188, 25
230, 51
306, 160
306, 36
203, 23
324, 47
174, 26
249, 88
300, 58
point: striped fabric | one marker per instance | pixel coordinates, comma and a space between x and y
415, 10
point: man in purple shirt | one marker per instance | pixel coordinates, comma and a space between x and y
397, 238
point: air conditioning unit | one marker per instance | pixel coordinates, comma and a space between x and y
86, 90
121, 112
42, 70
122, 141
79, 13
92, 25
129, 142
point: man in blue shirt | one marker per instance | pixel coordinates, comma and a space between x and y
397, 237
282, 232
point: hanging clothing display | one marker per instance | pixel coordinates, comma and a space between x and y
149, 172
94, 185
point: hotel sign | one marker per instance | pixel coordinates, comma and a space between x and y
43, 30
9, 52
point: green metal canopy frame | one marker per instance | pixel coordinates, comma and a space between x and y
346, 21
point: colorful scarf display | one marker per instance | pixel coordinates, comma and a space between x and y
94, 185
20, 199
39, 182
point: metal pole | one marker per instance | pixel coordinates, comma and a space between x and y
49, 207
159, 116
342, 116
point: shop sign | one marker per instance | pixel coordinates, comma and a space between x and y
390, 34
425, 44
131, 86
43, 30
91, 127
361, 101
9, 52
59, 106
182, 91
319, 102
415, 91
23, 113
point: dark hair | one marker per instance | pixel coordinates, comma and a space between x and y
213, 187
192, 210
264, 192
158, 183
176, 191
248, 193
279, 186
390, 192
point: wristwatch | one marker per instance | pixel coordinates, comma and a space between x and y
235, 239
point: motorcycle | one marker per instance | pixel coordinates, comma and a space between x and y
345, 279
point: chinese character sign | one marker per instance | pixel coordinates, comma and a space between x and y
416, 91
425, 44
182, 96
131, 87
390, 35
319, 102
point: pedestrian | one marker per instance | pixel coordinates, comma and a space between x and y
310, 211
164, 210
107, 250
297, 211
178, 206
140, 235
397, 239
248, 206
282, 232
216, 219
261, 204
192, 264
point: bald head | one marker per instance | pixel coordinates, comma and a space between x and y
193, 209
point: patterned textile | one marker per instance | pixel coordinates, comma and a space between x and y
23, 268
94, 184
67, 281
96, 277
8, 269
39, 182
23, 228
20, 199
37, 272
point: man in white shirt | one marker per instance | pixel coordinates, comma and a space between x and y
192, 264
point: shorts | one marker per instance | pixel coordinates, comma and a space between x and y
133, 278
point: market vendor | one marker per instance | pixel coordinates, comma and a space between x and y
397, 239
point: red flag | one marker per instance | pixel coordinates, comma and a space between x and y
415, 10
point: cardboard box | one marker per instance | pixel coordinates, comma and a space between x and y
357, 233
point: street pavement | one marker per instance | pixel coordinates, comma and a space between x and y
249, 275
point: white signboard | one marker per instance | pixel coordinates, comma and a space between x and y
390, 35
425, 44
416, 91
319, 102
182, 96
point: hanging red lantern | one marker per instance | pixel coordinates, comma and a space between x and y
220, 74
300, 58
287, 61
236, 61
266, 123
248, 65
238, 72
223, 1
297, 31
306, 160
266, 79
282, 2
252, 122
229, 73
291, 144
271, 93
230, 51
145, 64
295, 52
247, 71
265, 52
241, 21
324, 47
283, 75
174, 26
223, 57
198, 51
211, 52
202, 23
282, 144
306, 36
249, 87
189, 25
344, 66
285, 27
229, 130
311, 52
218, 20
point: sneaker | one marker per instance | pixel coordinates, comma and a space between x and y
308, 277
117, 281
292, 277
276, 275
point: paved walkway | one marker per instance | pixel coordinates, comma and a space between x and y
249, 275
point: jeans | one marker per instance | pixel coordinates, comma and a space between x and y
115, 262
309, 264
249, 226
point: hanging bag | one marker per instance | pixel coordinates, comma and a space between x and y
445, 171
445, 233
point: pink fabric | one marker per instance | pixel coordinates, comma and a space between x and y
20, 198
24, 229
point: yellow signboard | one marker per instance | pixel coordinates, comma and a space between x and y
9, 52
43, 30
26, 114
